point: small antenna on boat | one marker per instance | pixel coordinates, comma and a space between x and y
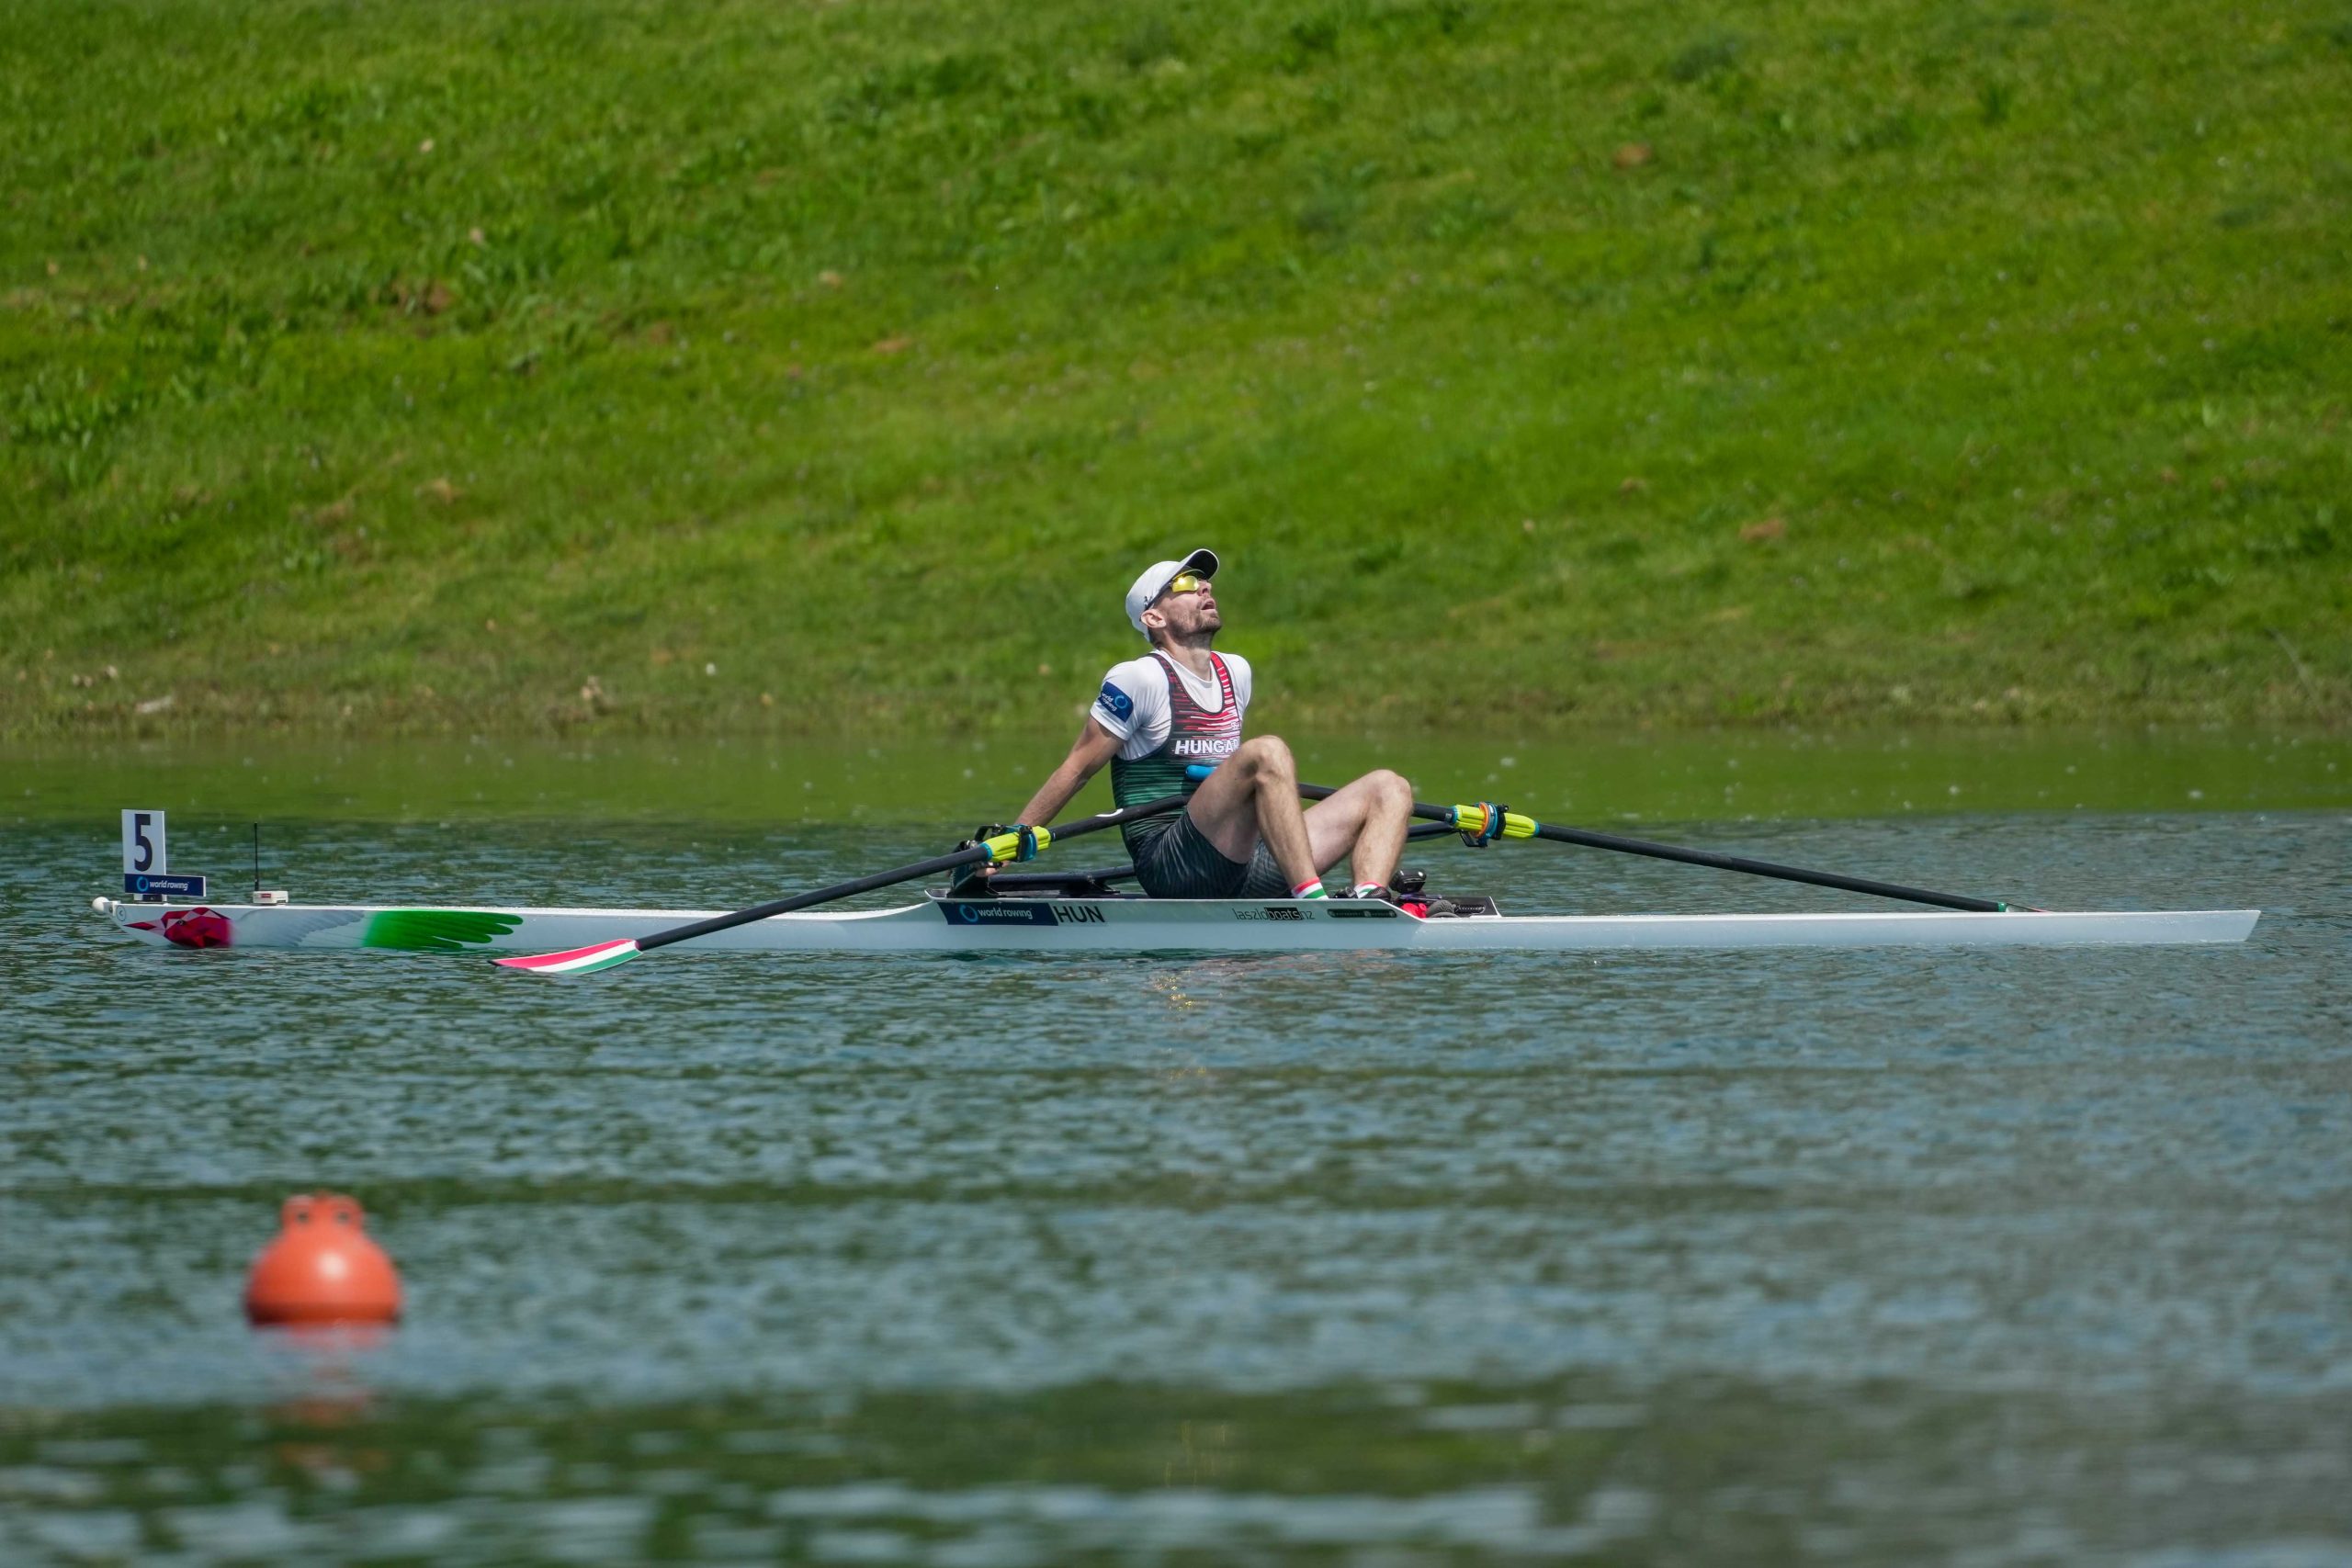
262, 895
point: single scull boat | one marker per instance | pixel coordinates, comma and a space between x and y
1119, 923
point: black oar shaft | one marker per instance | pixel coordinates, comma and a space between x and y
1720, 862
904, 874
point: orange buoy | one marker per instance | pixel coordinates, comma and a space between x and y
322, 1267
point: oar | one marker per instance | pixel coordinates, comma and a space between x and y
1472, 819
1004, 847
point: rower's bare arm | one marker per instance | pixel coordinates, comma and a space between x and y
1095, 746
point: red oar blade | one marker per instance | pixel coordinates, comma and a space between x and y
579, 961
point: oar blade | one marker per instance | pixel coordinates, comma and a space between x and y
579, 961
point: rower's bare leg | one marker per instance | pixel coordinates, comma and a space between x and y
1254, 794
1365, 820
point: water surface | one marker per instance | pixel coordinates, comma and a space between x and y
1863, 1257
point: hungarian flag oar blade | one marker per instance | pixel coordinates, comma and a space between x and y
996, 851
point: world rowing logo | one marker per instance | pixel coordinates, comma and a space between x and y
987, 912
1115, 703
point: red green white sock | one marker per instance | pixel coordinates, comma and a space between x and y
1311, 888
1365, 890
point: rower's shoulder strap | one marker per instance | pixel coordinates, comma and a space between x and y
1232, 688
1224, 684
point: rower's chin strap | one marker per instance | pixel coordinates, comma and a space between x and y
1482, 823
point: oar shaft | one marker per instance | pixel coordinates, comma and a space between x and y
1450, 815
904, 874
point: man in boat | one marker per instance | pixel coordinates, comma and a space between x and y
1243, 834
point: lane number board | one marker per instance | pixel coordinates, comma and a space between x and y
146, 860
143, 843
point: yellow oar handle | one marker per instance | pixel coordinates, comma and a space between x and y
1005, 847
1473, 819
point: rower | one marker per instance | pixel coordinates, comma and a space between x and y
1243, 834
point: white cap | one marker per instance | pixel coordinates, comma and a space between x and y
1157, 576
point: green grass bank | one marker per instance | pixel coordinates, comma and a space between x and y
581, 365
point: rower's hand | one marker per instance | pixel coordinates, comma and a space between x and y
986, 868
981, 837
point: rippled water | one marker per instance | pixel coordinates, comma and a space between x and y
1859, 1257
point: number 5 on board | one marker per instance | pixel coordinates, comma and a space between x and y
142, 842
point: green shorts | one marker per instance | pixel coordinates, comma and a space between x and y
1178, 862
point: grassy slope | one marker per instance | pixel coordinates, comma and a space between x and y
406, 367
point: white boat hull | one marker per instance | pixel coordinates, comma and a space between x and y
1147, 925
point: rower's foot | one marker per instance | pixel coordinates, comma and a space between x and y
1413, 903
1464, 905
1310, 889
1409, 892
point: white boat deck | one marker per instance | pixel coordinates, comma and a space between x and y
1147, 925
